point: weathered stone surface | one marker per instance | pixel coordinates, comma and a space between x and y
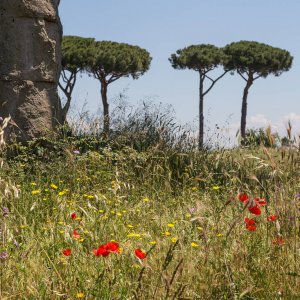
30, 106
30, 60
46, 9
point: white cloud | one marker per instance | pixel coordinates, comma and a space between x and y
261, 121
258, 120
292, 117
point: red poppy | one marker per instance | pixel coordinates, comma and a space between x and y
255, 210
250, 224
244, 198
105, 249
260, 201
249, 221
278, 241
251, 227
73, 216
67, 252
76, 235
140, 254
272, 218
101, 251
113, 247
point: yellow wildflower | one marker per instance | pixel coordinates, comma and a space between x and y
80, 295
171, 225
174, 239
35, 192
52, 185
133, 234
194, 244
63, 260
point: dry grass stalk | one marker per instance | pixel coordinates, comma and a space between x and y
2, 127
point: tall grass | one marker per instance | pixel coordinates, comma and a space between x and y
177, 204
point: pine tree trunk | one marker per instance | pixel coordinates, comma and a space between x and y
67, 90
30, 63
244, 106
105, 108
201, 113
65, 110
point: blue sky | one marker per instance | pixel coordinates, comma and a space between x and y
163, 26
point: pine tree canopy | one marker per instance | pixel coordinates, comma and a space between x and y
201, 58
76, 52
118, 60
259, 58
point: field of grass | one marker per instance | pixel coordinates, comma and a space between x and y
183, 209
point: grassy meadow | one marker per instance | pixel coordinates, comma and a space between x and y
189, 214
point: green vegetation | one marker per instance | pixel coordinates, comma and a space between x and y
75, 56
202, 59
111, 61
141, 212
106, 61
183, 208
253, 60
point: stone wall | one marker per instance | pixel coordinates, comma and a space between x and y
30, 36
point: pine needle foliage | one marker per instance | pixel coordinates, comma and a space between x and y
253, 60
110, 61
75, 55
202, 58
